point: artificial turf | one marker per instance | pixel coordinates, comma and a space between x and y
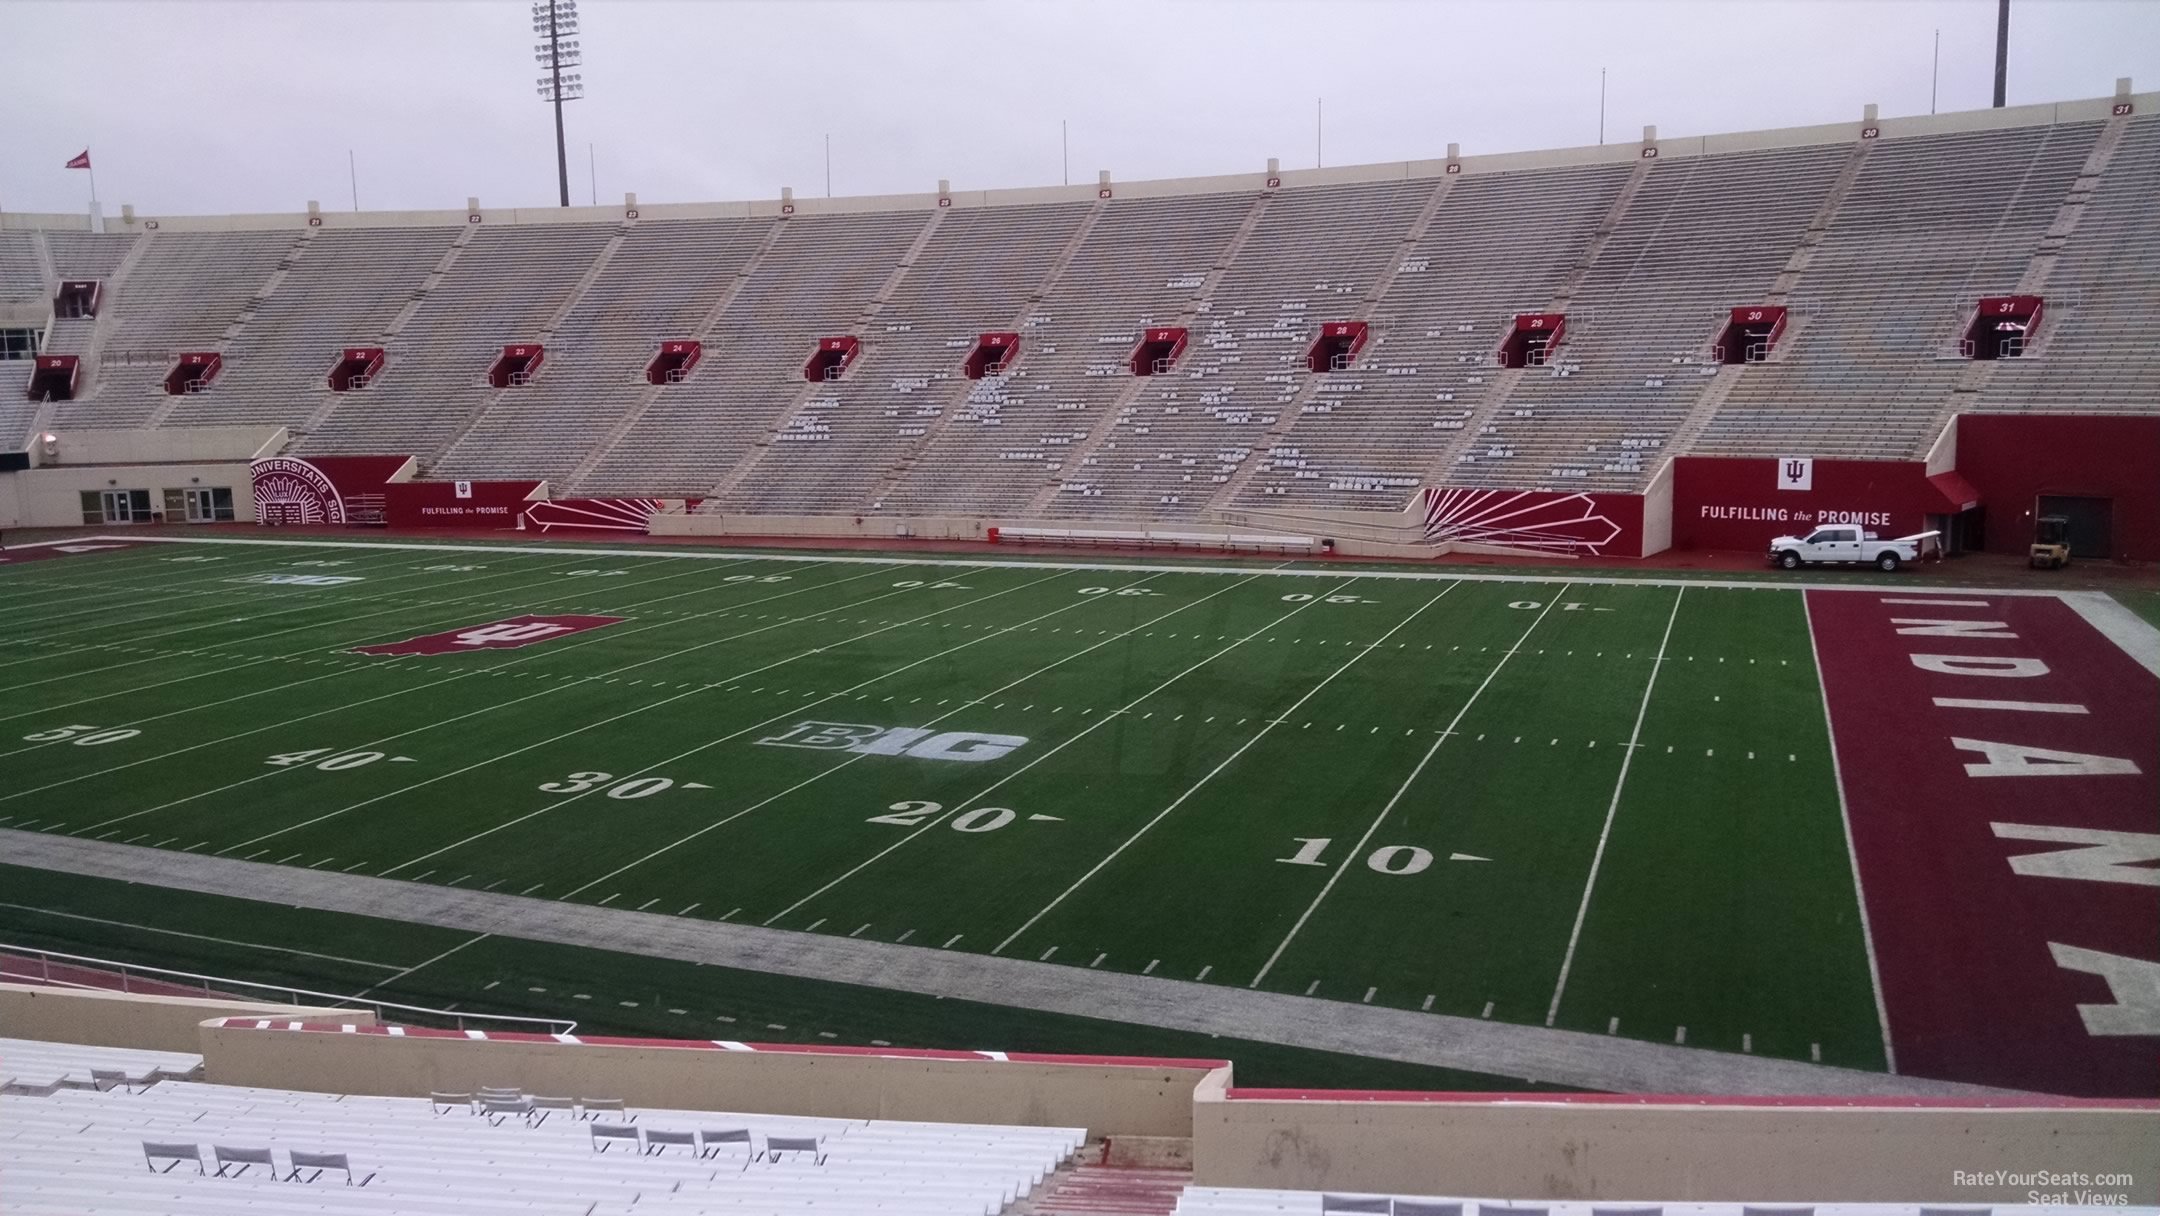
1365, 788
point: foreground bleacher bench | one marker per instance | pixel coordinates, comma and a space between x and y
31, 1067
190, 1147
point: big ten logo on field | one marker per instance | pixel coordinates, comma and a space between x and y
920, 742
493, 635
298, 580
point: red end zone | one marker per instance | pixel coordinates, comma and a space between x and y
1998, 762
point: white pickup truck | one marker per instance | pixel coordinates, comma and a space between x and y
1848, 544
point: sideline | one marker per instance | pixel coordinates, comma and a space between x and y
1115, 567
1564, 1057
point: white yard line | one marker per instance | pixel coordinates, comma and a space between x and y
1852, 853
630, 713
89, 596
1262, 733
1612, 809
389, 980
822, 774
1358, 850
1099, 722
2134, 634
1545, 575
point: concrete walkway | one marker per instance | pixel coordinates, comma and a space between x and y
1499, 1049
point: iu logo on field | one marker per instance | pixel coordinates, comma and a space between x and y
1796, 473
920, 742
494, 635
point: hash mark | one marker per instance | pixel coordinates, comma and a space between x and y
948, 944
1099, 958
1680, 1035
1150, 968
1204, 971
858, 931
814, 924
1046, 955
1488, 1010
1427, 1006
1312, 987
1369, 993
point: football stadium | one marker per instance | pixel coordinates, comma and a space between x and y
1611, 678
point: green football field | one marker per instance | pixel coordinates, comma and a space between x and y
1473, 796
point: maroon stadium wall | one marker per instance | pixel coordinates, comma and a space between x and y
457, 504
2014, 459
1735, 503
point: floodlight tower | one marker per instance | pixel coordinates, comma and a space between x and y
555, 23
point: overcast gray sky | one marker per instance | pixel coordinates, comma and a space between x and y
226, 107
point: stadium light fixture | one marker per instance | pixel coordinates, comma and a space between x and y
555, 24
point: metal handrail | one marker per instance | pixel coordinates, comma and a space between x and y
45, 959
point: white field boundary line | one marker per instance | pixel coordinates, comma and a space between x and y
256, 662
202, 705
1612, 809
339, 708
1358, 850
386, 981
1852, 852
993, 787
23, 591
570, 644
768, 800
423, 622
2118, 624
241, 595
1273, 721
629, 713
110, 626
792, 712
310, 605
200, 937
954, 559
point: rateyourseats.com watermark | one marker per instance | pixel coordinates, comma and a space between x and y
2047, 1186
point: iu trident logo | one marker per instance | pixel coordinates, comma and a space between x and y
1796, 473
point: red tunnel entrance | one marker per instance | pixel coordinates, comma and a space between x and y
53, 378
356, 368
993, 353
1750, 334
1531, 339
192, 372
832, 358
515, 367
2002, 327
1158, 352
674, 362
1338, 344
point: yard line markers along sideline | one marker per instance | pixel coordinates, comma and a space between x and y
1258, 735
791, 711
1112, 716
1358, 850
365, 599
626, 713
568, 682
818, 776
200, 937
342, 671
339, 708
1545, 575
110, 627
1597, 858
1852, 853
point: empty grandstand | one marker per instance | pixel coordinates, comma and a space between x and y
1551, 324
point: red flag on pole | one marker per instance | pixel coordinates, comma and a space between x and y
80, 162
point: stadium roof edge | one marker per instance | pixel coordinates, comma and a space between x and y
2042, 114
